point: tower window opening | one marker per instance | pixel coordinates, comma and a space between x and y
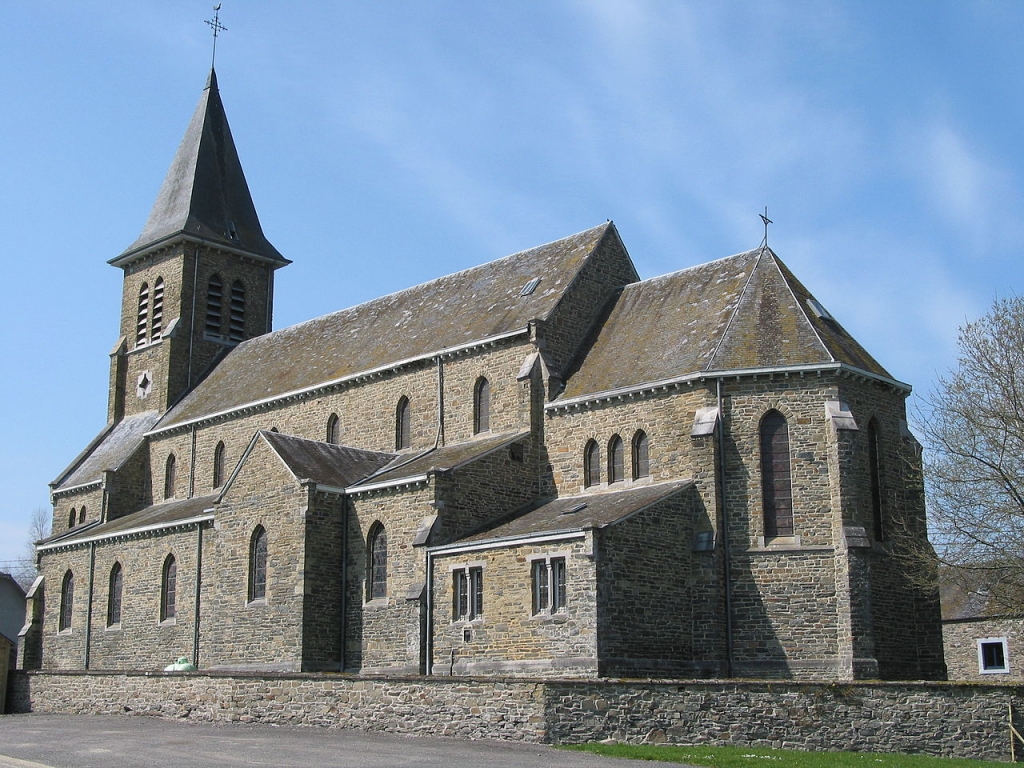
158, 309
237, 314
142, 325
214, 301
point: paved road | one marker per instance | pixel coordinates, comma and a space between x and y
82, 741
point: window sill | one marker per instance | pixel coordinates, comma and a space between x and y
168, 622
113, 627
465, 622
376, 603
259, 602
64, 631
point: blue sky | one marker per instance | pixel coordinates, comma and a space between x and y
390, 142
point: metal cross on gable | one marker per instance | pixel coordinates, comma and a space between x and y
217, 28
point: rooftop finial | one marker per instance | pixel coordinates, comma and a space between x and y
767, 221
217, 28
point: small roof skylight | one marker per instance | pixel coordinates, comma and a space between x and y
818, 310
530, 287
576, 508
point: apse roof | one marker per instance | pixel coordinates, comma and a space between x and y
743, 312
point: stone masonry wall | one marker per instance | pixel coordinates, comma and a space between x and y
961, 648
945, 719
508, 638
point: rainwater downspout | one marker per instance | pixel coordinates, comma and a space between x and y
344, 583
439, 439
726, 559
199, 583
429, 651
192, 466
88, 615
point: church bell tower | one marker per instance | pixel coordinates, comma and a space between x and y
199, 279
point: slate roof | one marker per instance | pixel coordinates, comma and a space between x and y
205, 192
162, 515
441, 459
451, 311
109, 450
592, 510
746, 311
323, 463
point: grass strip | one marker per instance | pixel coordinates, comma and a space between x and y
747, 757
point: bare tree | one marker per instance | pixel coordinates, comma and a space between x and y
38, 528
973, 428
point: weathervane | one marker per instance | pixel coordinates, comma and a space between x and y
217, 28
767, 221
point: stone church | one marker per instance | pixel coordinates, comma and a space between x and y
540, 466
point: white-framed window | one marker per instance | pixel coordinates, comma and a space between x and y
993, 658
467, 592
547, 577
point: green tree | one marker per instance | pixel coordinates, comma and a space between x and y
972, 426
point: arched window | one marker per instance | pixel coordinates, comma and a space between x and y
616, 460
168, 589
72, 518
402, 424
258, 564
641, 455
114, 595
776, 484
236, 324
169, 477
591, 464
81, 515
67, 601
214, 304
876, 480
142, 325
481, 406
378, 560
333, 429
218, 465
158, 309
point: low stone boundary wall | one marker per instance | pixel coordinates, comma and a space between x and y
951, 719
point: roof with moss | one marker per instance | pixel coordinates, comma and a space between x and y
743, 312
474, 305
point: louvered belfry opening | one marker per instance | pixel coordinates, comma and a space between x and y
142, 325
776, 481
214, 301
237, 315
158, 309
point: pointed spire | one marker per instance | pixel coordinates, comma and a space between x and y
204, 195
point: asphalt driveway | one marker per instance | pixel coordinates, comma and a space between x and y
83, 741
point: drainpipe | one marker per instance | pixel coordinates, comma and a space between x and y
439, 440
192, 466
726, 559
430, 614
88, 614
199, 582
344, 583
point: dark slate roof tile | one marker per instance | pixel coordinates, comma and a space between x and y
323, 463
205, 189
109, 451
442, 459
161, 515
578, 513
457, 309
743, 312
